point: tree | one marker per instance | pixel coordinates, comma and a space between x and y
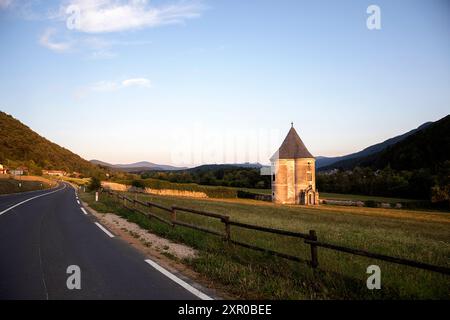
95, 184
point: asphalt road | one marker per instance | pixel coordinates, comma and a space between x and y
41, 238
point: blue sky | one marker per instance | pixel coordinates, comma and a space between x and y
189, 82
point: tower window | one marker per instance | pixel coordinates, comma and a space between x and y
273, 177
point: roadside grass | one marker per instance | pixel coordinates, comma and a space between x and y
12, 186
252, 275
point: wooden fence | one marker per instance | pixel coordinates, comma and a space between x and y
310, 238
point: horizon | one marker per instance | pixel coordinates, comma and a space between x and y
219, 163
192, 86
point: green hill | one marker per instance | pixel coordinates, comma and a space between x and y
19, 145
427, 148
417, 167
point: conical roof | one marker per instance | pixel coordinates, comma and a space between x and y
292, 147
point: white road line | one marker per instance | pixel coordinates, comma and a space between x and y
104, 230
41, 195
182, 283
84, 211
78, 201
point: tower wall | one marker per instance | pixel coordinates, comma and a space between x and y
292, 176
283, 188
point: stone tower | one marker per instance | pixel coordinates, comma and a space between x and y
294, 173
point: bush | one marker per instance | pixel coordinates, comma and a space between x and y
138, 184
95, 184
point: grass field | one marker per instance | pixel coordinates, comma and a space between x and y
422, 236
220, 192
12, 185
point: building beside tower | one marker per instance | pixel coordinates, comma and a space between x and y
294, 173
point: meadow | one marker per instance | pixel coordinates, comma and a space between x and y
422, 236
221, 192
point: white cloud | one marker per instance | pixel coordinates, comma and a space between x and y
97, 16
136, 82
93, 47
109, 86
46, 39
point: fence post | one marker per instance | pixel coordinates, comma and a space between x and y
314, 257
173, 216
226, 221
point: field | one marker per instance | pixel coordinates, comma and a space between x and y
220, 192
9, 185
422, 236
77, 181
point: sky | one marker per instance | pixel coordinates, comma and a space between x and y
188, 82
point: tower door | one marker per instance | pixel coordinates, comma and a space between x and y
310, 201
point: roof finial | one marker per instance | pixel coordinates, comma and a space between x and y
292, 124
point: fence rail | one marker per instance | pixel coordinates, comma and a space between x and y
310, 238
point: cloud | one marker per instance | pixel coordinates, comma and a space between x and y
109, 86
46, 40
93, 47
99, 16
136, 82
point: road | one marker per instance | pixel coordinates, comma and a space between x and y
42, 233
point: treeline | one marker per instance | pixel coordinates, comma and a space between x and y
427, 184
228, 177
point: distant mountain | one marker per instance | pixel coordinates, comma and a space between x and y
19, 145
213, 167
331, 162
100, 163
143, 166
138, 166
426, 147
